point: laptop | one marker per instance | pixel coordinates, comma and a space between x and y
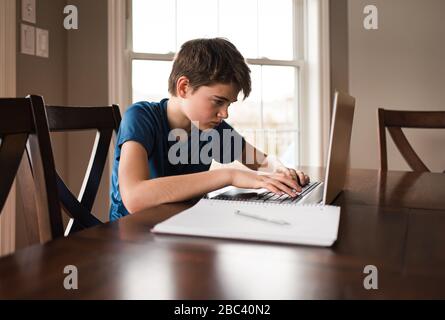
318, 193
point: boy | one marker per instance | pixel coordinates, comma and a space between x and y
207, 76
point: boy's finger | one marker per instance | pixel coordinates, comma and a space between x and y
301, 178
284, 188
293, 173
289, 182
272, 188
286, 172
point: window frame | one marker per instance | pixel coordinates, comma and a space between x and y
313, 85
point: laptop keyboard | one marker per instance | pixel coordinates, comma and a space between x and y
285, 198
268, 196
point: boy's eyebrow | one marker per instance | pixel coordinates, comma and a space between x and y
225, 99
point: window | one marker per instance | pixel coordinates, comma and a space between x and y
267, 32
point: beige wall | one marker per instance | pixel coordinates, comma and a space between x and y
88, 85
400, 66
338, 26
46, 77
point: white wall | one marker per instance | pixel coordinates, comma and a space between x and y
401, 66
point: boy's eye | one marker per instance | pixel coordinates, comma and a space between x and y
219, 102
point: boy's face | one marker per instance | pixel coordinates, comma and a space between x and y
209, 105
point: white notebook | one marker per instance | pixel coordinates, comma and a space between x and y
270, 222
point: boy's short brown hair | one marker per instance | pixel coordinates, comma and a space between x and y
209, 61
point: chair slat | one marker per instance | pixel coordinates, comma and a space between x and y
27, 194
382, 140
40, 151
82, 216
415, 119
11, 152
117, 117
79, 118
23, 121
95, 169
406, 150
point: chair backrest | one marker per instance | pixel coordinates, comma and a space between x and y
395, 120
105, 120
23, 127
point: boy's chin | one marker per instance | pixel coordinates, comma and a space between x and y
209, 126
206, 126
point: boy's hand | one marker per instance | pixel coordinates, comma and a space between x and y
299, 176
278, 183
273, 164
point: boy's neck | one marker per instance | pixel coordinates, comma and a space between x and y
176, 118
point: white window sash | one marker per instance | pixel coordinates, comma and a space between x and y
118, 54
315, 86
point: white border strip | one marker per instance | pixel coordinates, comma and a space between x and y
8, 89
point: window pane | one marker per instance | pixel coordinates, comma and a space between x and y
280, 112
287, 148
246, 115
275, 29
196, 19
259, 29
150, 80
238, 22
154, 26
279, 103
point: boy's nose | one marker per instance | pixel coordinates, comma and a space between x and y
223, 113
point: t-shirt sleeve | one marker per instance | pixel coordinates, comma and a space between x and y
231, 144
136, 125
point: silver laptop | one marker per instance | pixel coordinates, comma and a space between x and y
314, 192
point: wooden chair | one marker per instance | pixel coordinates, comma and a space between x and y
23, 127
103, 119
395, 121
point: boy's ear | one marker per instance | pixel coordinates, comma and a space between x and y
182, 87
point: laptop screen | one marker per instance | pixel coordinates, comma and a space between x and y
339, 143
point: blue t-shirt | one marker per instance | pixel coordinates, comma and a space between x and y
147, 124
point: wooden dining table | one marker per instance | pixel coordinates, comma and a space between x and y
392, 222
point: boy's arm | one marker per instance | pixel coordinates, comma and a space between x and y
252, 158
139, 192
255, 159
